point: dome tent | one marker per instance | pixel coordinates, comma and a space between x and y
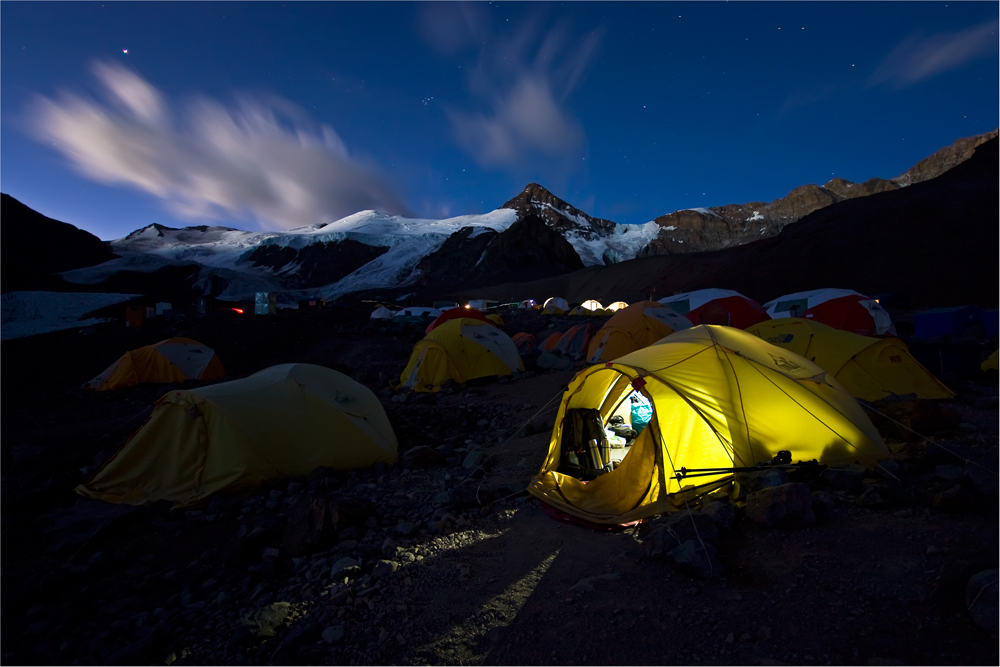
171, 360
869, 368
525, 342
459, 350
717, 306
721, 398
574, 342
280, 422
591, 304
616, 306
838, 308
632, 328
454, 314
381, 313
555, 306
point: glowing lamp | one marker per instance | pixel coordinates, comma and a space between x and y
237, 310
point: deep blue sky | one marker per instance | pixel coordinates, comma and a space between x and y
272, 115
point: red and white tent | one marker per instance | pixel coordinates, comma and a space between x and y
717, 306
838, 308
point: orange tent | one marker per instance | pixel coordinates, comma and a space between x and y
171, 360
634, 328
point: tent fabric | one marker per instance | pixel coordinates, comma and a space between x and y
839, 308
284, 421
869, 368
717, 306
574, 342
551, 341
171, 360
581, 311
591, 304
454, 314
616, 306
721, 398
381, 313
525, 342
992, 362
632, 328
495, 319
460, 350
555, 306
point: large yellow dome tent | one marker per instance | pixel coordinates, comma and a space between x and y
460, 350
721, 398
171, 360
280, 422
632, 328
869, 368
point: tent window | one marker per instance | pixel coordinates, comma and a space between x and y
680, 307
794, 307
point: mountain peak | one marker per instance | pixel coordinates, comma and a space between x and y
559, 215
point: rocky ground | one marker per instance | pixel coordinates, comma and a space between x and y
443, 558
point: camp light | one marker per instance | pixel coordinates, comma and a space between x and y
237, 310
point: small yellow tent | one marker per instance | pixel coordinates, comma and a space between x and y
171, 360
721, 398
616, 306
581, 311
555, 306
632, 328
869, 368
495, 319
460, 350
991, 363
283, 421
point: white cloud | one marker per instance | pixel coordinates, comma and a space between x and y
261, 157
918, 58
522, 84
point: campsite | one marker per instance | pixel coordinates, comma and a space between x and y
443, 557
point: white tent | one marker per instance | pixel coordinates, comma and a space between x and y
381, 313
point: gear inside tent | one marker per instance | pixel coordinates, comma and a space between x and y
632, 328
454, 314
555, 306
460, 350
284, 421
171, 360
838, 308
869, 368
717, 306
719, 398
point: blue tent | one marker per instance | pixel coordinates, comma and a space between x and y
940, 322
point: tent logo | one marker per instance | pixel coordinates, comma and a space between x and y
778, 340
784, 364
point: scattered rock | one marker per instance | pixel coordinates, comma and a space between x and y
950, 500
872, 498
423, 457
473, 459
823, 502
844, 476
263, 622
785, 505
345, 567
981, 599
696, 560
761, 479
384, 568
333, 634
722, 514
950, 473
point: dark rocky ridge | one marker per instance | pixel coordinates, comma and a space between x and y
719, 227
316, 264
529, 247
557, 214
934, 241
35, 247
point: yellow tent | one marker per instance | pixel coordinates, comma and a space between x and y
283, 421
555, 306
460, 350
171, 360
721, 398
632, 328
616, 306
495, 319
591, 304
580, 310
869, 368
990, 363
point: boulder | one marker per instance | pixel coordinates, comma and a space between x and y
696, 560
345, 567
981, 599
761, 479
844, 476
722, 514
785, 505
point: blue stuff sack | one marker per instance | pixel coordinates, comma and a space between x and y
642, 412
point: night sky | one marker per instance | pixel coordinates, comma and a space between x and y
278, 115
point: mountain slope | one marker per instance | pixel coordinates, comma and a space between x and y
935, 241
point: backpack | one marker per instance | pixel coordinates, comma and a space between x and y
580, 426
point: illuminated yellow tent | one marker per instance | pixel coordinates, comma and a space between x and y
721, 398
632, 328
283, 421
555, 306
616, 306
460, 350
591, 304
991, 363
869, 368
171, 360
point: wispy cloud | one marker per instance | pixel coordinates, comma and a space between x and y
261, 157
520, 82
918, 57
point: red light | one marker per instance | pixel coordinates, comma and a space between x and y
237, 310
468, 306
